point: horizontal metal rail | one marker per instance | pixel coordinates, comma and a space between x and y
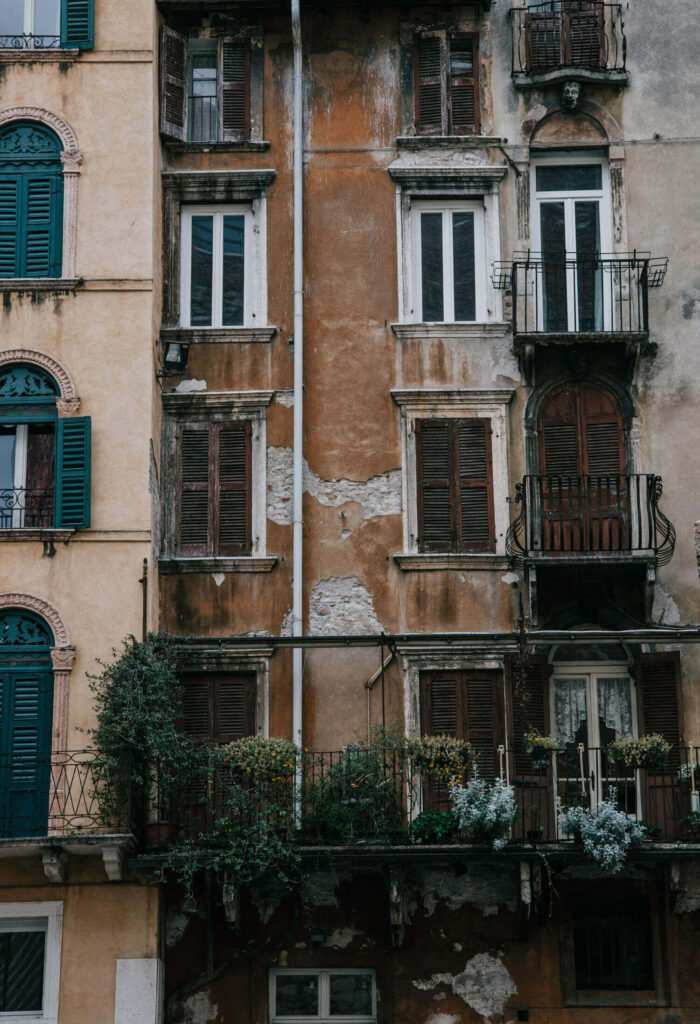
28, 41
22, 507
572, 515
554, 35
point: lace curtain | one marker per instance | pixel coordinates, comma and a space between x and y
615, 706
569, 708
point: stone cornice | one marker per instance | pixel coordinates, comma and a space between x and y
449, 332
446, 396
245, 563
468, 179
229, 400
218, 185
217, 335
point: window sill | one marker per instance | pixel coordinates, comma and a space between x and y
34, 56
27, 533
471, 561
242, 563
446, 331
216, 335
244, 146
23, 285
611, 77
447, 141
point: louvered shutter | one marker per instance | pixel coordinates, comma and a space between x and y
234, 89
464, 85
429, 71
77, 24
27, 714
602, 431
40, 239
483, 718
196, 706
234, 489
441, 704
544, 35
529, 706
434, 467
659, 700
475, 485
73, 473
194, 505
173, 78
234, 715
10, 194
584, 35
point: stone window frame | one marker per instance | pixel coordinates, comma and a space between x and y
255, 660
474, 403
52, 912
418, 182
215, 407
214, 188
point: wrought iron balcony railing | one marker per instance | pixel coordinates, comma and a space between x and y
67, 793
573, 516
568, 35
24, 508
372, 796
600, 294
28, 41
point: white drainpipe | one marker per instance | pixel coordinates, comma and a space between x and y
297, 591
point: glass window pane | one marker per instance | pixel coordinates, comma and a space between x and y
21, 971
296, 995
11, 17
461, 57
431, 267
203, 107
201, 276
47, 17
589, 283
553, 234
614, 709
464, 270
569, 177
8, 435
570, 711
350, 994
234, 256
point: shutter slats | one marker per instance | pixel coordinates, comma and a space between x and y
233, 520
545, 42
77, 24
475, 493
195, 707
561, 449
219, 707
434, 487
430, 95
234, 89
584, 38
659, 695
233, 454
476, 532
195, 456
443, 707
464, 106
9, 218
603, 448
173, 75
530, 707
194, 518
73, 473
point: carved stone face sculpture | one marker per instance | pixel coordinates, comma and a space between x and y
570, 93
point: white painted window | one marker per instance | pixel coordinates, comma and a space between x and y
572, 227
326, 997
449, 262
30, 17
218, 268
30, 961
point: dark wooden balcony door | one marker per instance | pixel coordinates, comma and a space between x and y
584, 499
570, 33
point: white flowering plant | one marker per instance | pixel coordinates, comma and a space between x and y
606, 832
484, 811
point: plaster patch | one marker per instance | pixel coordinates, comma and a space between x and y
378, 496
287, 624
199, 1009
342, 606
186, 387
342, 937
484, 886
219, 578
485, 985
510, 577
425, 984
442, 1018
318, 889
665, 611
175, 926
285, 397
688, 899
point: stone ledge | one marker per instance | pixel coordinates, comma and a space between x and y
521, 338
244, 563
447, 141
47, 56
217, 335
570, 75
434, 562
449, 332
39, 284
27, 533
244, 146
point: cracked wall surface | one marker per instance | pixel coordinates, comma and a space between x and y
342, 606
485, 984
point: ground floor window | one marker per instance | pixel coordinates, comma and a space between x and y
30, 956
612, 943
322, 996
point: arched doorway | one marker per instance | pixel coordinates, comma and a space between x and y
26, 709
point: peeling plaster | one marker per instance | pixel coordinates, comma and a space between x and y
486, 887
318, 889
176, 923
510, 577
287, 628
266, 898
285, 397
342, 937
218, 578
665, 611
379, 496
485, 984
199, 1009
186, 387
442, 1018
688, 899
342, 606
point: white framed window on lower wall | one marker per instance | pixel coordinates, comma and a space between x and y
323, 996
30, 961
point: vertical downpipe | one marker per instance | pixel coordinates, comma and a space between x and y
297, 590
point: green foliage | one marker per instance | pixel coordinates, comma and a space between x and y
649, 752
606, 832
532, 742
692, 821
484, 811
442, 757
434, 826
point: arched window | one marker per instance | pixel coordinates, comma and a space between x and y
31, 201
44, 460
26, 713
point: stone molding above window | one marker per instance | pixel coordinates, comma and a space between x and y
213, 188
217, 335
201, 658
69, 402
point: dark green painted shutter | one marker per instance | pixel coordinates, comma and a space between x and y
10, 197
26, 709
77, 24
73, 473
42, 216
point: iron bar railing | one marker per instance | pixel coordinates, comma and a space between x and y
28, 41
64, 794
22, 507
203, 119
554, 35
572, 515
368, 796
601, 293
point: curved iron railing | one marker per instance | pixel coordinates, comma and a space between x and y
558, 35
28, 41
570, 516
22, 507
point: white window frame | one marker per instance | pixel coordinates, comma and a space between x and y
324, 994
603, 196
18, 917
30, 18
254, 290
447, 209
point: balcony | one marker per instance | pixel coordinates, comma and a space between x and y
564, 40
29, 41
569, 298
25, 508
609, 518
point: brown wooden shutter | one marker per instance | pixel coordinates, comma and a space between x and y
234, 489
659, 700
530, 706
196, 706
173, 79
602, 433
234, 89
441, 711
558, 430
476, 523
544, 41
464, 85
581, 432
219, 707
430, 85
434, 472
584, 40
194, 502
483, 693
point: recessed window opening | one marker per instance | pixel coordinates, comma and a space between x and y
22, 960
449, 277
335, 996
203, 92
613, 943
35, 18
216, 256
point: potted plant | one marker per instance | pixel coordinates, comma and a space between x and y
485, 811
434, 826
606, 832
442, 757
691, 825
650, 752
540, 747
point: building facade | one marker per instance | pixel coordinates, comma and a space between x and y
354, 346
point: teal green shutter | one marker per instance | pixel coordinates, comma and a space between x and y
41, 241
77, 24
10, 194
27, 710
73, 473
